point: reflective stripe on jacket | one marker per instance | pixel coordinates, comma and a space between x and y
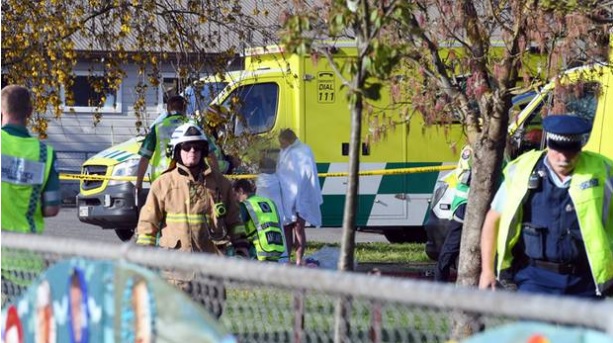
264, 228
590, 190
26, 164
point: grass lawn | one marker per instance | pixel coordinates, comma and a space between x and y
270, 312
381, 252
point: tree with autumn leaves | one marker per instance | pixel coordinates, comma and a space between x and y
42, 41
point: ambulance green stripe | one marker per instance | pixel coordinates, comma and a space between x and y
419, 183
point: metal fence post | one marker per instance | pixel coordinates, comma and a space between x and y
299, 297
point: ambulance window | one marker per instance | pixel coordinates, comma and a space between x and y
578, 99
200, 95
255, 107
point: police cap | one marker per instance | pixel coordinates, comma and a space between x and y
566, 132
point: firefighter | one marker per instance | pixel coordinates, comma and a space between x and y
191, 208
551, 221
263, 225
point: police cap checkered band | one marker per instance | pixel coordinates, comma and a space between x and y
564, 138
570, 143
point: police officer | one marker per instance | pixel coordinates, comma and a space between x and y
262, 222
451, 247
551, 222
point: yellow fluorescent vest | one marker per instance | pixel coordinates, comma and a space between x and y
163, 132
26, 164
264, 228
590, 190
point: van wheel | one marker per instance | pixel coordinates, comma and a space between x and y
124, 234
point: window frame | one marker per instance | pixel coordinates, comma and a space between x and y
117, 109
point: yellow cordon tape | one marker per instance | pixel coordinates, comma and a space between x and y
397, 171
90, 177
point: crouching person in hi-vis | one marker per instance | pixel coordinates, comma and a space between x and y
191, 208
264, 228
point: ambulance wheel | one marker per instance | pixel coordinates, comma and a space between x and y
124, 234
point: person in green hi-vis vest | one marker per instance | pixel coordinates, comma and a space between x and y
30, 187
550, 225
451, 247
262, 223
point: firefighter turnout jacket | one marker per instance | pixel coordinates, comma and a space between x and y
190, 212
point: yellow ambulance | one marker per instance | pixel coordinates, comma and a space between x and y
280, 90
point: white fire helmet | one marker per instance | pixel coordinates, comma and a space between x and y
188, 132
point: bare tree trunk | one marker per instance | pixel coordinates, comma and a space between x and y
488, 150
345, 262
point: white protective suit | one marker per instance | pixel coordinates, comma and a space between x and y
300, 187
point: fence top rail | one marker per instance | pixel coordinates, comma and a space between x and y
595, 314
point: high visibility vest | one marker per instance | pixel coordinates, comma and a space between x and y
590, 190
26, 164
163, 132
264, 229
462, 172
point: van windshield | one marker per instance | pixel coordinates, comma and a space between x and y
255, 107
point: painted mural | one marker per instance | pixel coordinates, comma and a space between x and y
81, 301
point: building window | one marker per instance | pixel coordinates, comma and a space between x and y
93, 94
4, 81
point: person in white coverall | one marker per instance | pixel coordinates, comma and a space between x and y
300, 190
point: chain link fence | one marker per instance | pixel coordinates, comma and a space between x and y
266, 302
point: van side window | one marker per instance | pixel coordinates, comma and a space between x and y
255, 107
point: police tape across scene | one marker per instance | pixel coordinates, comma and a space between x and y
397, 171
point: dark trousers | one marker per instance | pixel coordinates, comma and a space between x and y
532, 279
449, 252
